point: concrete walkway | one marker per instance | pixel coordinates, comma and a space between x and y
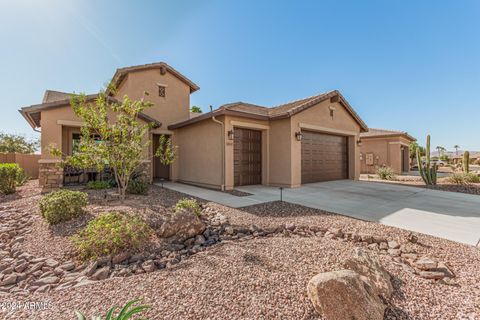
449, 215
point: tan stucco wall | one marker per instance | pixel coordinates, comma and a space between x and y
199, 154
317, 118
174, 107
280, 153
386, 152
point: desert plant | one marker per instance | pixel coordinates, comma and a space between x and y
63, 205
385, 173
111, 233
125, 313
464, 178
138, 186
97, 185
466, 162
427, 171
188, 204
8, 177
22, 177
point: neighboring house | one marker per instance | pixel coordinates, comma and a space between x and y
308, 140
459, 158
381, 147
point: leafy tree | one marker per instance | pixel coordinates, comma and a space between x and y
166, 151
195, 109
413, 150
13, 143
456, 147
118, 143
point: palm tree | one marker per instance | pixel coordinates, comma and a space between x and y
456, 147
440, 150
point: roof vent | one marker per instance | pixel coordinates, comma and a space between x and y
163, 70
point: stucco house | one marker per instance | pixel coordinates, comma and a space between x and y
380, 147
303, 141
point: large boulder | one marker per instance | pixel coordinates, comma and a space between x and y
344, 294
369, 267
183, 224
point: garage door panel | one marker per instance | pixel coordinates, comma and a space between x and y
324, 157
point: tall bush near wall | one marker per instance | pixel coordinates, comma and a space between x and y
8, 177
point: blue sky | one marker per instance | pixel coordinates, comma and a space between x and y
403, 65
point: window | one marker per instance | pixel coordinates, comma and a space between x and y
161, 91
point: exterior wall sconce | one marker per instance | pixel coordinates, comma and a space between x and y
298, 135
230, 134
359, 142
402, 148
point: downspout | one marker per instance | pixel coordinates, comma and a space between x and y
222, 141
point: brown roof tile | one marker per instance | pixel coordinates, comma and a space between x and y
277, 112
377, 133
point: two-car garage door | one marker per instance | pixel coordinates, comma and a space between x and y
324, 157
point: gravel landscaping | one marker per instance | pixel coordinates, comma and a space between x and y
250, 263
442, 184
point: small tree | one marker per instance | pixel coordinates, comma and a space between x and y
413, 146
117, 143
166, 152
195, 109
17, 144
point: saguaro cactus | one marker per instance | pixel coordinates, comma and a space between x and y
466, 162
428, 172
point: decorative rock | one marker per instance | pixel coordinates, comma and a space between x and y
68, 266
383, 246
394, 252
435, 275
229, 230
290, 226
393, 244
121, 257
51, 263
47, 280
9, 280
90, 269
149, 266
443, 268
199, 239
101, 273
425, 263
183, 224
344, 295
369, 267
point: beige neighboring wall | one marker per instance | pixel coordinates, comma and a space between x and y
174, 107
317, 118
386, 152
199, 158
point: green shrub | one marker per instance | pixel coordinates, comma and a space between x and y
138, 187
188, 204
464, 178
386, 173
22, 177
63, 205
126, 313
97, 185
8, 177
110, 234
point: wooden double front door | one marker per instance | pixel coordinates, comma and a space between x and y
247, 157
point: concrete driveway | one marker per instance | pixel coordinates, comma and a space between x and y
449, 215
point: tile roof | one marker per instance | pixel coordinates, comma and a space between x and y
120, 74
376, 133
33, 113
52, 95
285, 110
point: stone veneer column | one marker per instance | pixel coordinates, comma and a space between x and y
50, 175
146, 171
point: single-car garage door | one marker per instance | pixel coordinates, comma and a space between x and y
247, 157
324, 157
